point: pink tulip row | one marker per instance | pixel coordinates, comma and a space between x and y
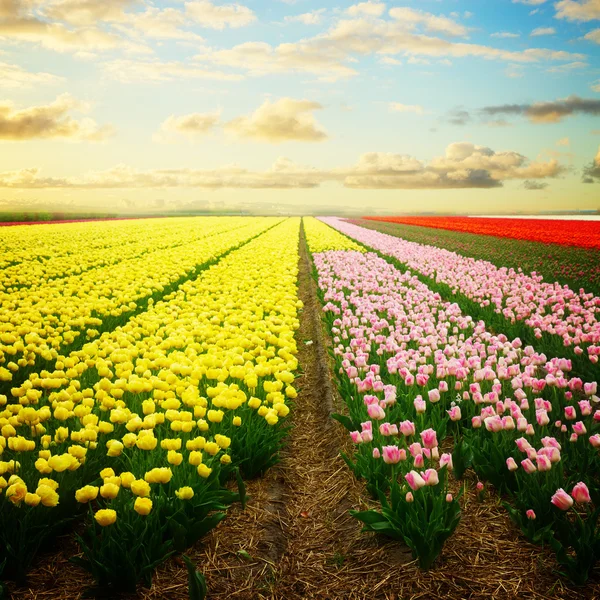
545, 307
388, 326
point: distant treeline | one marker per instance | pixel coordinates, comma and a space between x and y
24, 217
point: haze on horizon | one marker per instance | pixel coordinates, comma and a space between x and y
300, 105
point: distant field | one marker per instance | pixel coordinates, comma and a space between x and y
579, 233
570, 265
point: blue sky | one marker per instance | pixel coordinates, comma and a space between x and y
442, 105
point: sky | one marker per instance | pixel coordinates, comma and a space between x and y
452, 106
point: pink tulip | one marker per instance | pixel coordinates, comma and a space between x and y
391, 455
543, 463
542, 417
595, 440
530, 515
522, 444
419, 461
414, 480
585, 407
385, 429
550, 442
508, 423
479, 487
429, 438
511, 464
356, 437
589, 389
476, 422
376, 453
570, 413
449, 498
493, 424
407, 428
415, 449
528, 466
409, 497
454, 413
579, 428
434, 395
446, 460
580, 493
376, 412
430, 476
562, 500
420, 405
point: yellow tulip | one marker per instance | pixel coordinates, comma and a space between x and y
109, 491
139, 487
106, 516
142, 506
185, 493
203, 470
86, 493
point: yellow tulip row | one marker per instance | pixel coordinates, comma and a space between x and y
321, 237
167, 392
38, 323
32, 255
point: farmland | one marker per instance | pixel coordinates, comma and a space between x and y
296, 408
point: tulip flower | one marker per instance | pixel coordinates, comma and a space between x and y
580, 493
391, 454
414, 480
429, 438
562, 500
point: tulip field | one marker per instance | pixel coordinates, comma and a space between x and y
265, 407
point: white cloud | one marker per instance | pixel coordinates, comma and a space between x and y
595, 86
538, 31
86, 12
370, 9
514, 71
21, 23
568, 67
310, 18
260, 58
331, 55
14, 76
411, 17
563, 142
388, 60
50, 121
216, 16
281, 121
413, 108
593, 36
530, 2
192, 126
162, 24
578, 10
505, 35
464, 165
135, 71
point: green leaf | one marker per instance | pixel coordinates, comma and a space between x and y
347, 422
241, 489
197, 588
